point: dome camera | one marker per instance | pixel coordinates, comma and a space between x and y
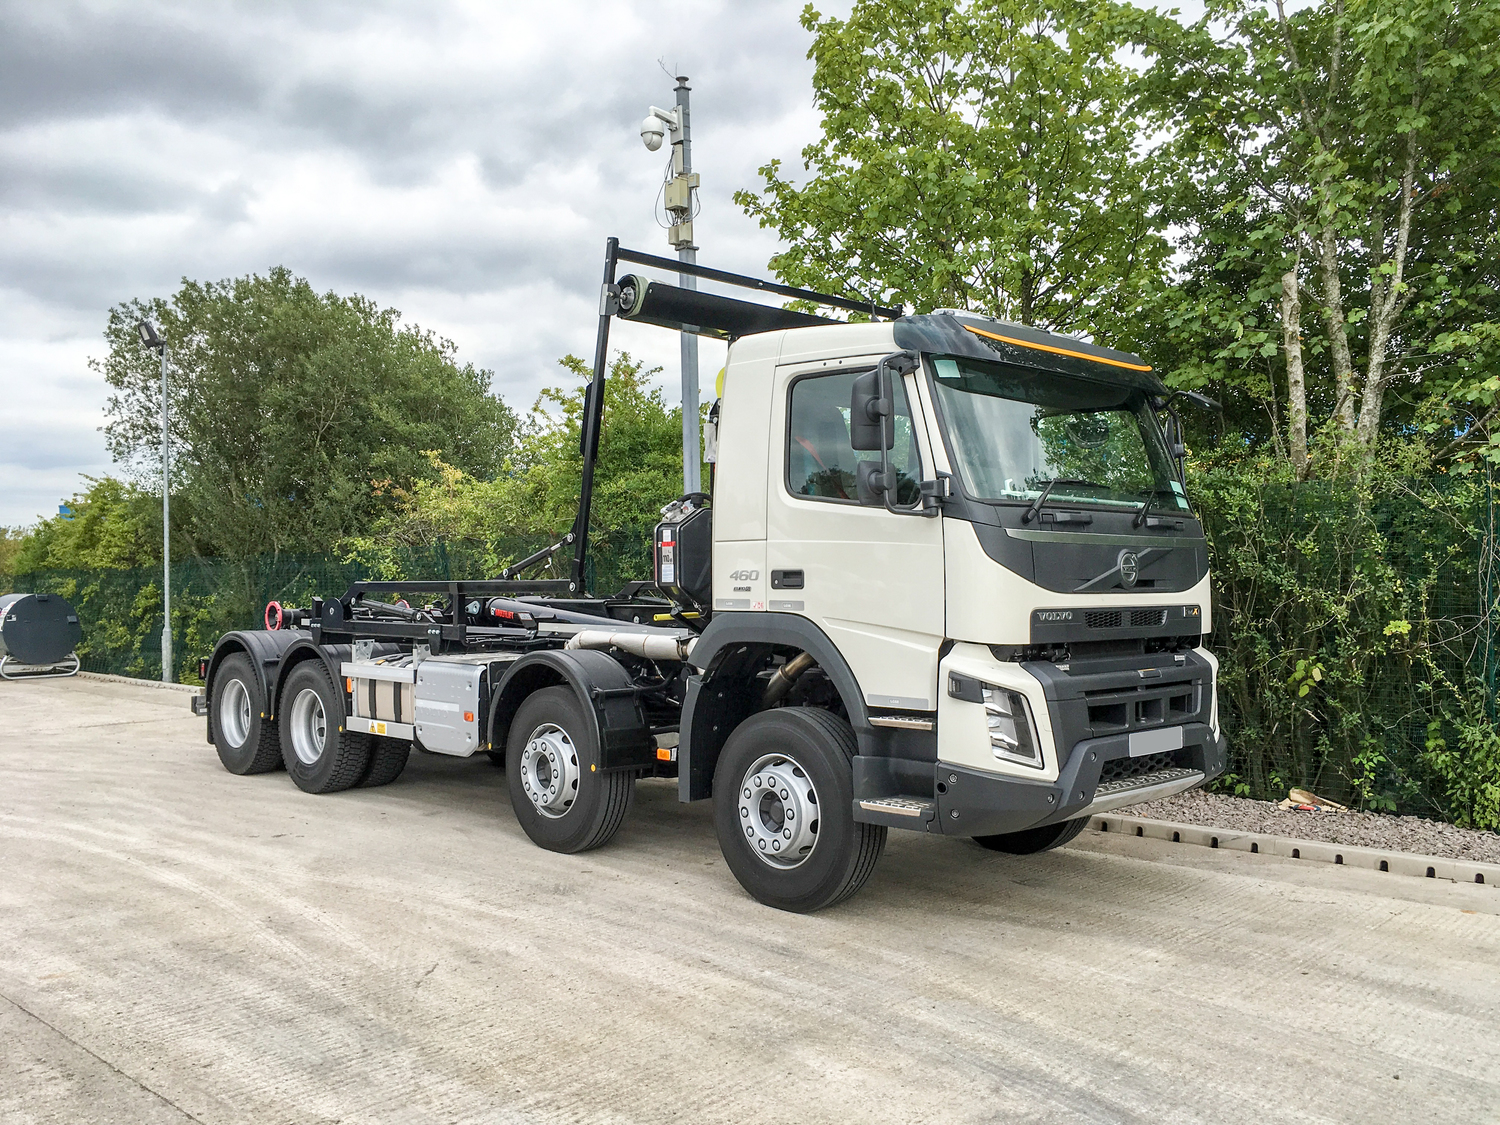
652, 132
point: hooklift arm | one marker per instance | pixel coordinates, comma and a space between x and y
704, 306
593, 419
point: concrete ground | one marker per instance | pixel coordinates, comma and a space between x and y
178, 944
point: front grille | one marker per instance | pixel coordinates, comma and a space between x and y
1150, 618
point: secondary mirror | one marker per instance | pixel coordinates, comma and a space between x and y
870, 484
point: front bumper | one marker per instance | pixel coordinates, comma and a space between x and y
974, 803
1119, 731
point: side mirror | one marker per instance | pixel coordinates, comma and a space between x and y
872, 422
870, 484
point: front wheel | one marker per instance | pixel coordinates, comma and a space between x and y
563, 801
1032, 840
784, 810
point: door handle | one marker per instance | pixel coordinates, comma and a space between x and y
786, 580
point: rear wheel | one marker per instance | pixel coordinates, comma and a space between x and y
783, 810
563, 801
320, 753
1033, 840
387, 759
237, 723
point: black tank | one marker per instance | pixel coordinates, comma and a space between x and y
38, 628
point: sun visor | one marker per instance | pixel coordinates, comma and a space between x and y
705, 314
981, 338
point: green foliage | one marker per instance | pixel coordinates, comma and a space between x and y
1350, 625
114, 524
1355, 143
10, 548
977, 154
287, 405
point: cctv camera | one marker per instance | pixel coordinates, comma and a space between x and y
652, 132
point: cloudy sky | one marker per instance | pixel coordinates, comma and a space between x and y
462, 162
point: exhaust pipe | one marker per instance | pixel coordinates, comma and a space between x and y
651, 646
785, 677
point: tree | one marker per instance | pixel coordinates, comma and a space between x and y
10, 547
288, 405
1342, 162
976, 154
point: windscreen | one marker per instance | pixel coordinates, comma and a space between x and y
1012, 430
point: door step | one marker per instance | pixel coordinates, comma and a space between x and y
896, 812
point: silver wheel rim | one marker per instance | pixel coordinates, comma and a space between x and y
309, 727
778, 806
549, 770
234, 713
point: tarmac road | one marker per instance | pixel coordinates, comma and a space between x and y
178, 944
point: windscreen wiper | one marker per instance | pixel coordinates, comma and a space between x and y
1036, 505
1145, 508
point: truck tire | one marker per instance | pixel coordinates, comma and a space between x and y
387, 759
783, 810
246, 742
320, 753
563, 801
1032, 840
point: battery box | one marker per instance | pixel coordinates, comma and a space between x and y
683, 554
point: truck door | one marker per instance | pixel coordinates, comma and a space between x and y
870, 578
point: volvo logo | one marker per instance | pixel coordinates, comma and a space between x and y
1130, 568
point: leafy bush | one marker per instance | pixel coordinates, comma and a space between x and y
1354, 633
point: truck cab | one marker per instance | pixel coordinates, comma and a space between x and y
1012, 662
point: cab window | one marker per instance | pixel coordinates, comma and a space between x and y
820, 461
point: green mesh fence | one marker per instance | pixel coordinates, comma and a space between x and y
121, 610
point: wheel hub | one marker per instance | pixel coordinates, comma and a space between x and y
549, 770
234, 714
778, 807
309, 727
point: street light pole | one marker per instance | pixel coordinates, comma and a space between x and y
154, 341
681, 235
166, 529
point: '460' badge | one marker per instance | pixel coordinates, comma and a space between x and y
744, 576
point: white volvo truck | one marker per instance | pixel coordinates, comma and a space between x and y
947, 579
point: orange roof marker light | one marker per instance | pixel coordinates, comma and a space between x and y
1056, 351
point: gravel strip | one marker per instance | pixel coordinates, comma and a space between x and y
1357, 829
105, 677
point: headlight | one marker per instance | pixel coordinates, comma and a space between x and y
1009, 721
